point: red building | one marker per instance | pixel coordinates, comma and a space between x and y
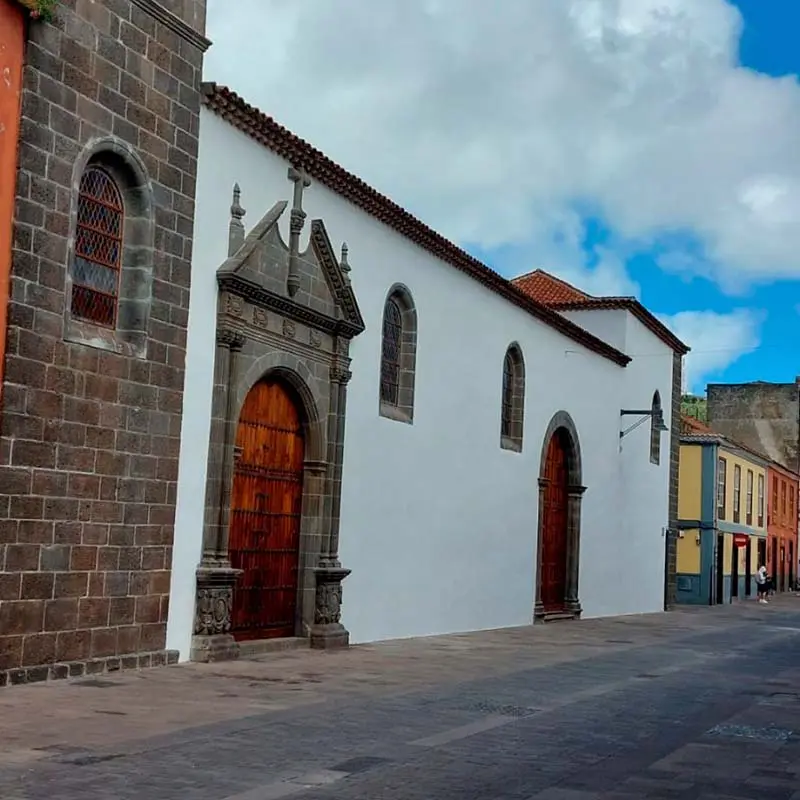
782, 522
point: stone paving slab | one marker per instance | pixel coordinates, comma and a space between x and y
700, 702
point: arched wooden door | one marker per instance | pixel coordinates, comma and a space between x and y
266, 500
554, 525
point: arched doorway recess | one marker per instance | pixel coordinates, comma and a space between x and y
558, 548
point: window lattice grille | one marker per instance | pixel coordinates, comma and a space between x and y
392, 350
508, 395
98, 249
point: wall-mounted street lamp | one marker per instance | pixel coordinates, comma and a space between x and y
656, 414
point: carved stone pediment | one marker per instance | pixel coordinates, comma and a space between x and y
312, 287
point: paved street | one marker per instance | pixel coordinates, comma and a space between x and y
695, 704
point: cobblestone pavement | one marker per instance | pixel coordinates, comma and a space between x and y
695, 704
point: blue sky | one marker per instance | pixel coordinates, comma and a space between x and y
633, 147
768, 45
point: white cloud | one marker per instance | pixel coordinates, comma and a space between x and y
717, 341
495, 121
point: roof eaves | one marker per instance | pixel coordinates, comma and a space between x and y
647, 318
254, 123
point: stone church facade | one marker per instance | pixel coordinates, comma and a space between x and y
93, 377
287, 316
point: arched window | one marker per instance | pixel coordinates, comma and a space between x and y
110, 279
656, 426
98, 248
398, 355
513, 400
392, 347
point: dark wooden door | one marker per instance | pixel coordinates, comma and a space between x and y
735, 571
554, 525
782, 570
748, 571
720, 568
266, 501
774, 565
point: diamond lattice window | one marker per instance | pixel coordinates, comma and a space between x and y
392, 348
98, 249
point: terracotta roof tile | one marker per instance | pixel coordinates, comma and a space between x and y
562, 296
548, 289
232, 108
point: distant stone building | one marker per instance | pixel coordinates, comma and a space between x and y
763, 416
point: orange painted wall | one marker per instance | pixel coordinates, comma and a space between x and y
783, 497
12, 50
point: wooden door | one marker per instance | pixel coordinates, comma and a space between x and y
554, 525
266, 501
735, 571
720, 568
748, 571
773, 572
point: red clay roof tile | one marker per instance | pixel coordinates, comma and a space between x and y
548, 289
562, 296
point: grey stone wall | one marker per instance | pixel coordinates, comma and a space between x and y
763, 416
91, 427
670, 544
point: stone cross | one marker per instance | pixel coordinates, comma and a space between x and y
301, 182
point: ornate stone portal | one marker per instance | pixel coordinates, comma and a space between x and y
291, 315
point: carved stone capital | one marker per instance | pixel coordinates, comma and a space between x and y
214, 600
340, 374
230, 338
576, 491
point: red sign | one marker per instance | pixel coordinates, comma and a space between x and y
740, 539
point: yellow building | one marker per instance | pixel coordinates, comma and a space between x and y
721, 517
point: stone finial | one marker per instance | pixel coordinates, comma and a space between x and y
236, 227
344, 263
299, 177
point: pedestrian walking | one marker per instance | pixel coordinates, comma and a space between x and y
762, 584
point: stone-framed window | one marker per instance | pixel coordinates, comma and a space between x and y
110, 276
656, 423
398, 355
98, 249
512, 412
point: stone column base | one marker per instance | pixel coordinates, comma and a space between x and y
219, 647
212, 640
574, 607
329, 637
327, 632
